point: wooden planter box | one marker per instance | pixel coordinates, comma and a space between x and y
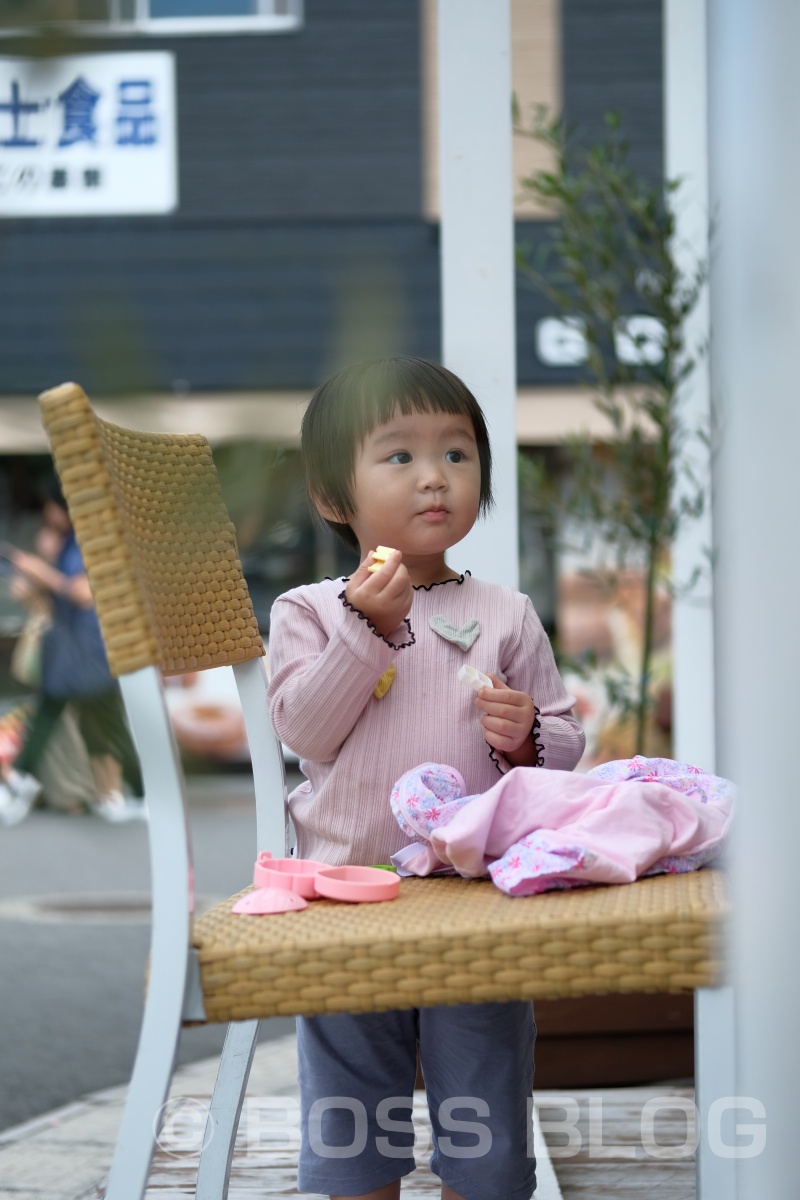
606, 1041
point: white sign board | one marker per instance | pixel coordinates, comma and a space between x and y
88, 135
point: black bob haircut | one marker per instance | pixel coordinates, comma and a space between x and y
346, 409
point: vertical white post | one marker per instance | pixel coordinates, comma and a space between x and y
477, 257
755, 175
686, 158
714, 1083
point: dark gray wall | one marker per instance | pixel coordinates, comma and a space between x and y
323, 122
330, 129
611, 62
128, 306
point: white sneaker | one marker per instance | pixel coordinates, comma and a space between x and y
113, 807
17, 798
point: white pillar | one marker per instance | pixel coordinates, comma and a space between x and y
755, 175
477, 252
686, 158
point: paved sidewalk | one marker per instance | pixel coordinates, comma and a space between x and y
65, 1155
597, 1150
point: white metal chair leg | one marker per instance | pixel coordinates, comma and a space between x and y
213, 1175
266, 756
214, 1172
172, 907
715, 1089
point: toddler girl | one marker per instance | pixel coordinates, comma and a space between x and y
363, 688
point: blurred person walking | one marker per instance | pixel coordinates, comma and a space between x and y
74, 672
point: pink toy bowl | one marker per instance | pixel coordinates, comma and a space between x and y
269, 900
297, 875
361, 885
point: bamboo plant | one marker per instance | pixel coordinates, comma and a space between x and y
608, 257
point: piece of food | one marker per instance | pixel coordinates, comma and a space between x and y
474, 678
379, 557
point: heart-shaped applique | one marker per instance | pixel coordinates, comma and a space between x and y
463, 637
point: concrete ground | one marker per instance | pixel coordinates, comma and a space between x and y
71, 984
65, 1154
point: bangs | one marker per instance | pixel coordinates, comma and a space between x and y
388, 387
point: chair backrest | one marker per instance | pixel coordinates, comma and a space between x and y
160, 553
157, 543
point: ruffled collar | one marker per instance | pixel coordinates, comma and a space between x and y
418, 587
427, 587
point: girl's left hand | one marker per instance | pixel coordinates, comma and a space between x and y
508, 716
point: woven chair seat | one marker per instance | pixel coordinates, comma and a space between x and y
456, 941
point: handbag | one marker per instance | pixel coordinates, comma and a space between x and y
26, 657
74, 663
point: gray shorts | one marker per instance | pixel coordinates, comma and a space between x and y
357, 1077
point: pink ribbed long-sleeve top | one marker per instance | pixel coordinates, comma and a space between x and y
325, 662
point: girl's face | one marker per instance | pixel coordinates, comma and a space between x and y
416, 484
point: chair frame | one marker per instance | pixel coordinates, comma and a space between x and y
174, 994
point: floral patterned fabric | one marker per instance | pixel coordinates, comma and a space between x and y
538, 830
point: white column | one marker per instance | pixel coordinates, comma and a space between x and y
755, 175
686, 158
477, 252
714, 1082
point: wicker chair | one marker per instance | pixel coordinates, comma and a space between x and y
161, 556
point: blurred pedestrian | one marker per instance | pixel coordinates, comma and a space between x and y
74, 671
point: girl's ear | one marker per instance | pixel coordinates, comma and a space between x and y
325, 511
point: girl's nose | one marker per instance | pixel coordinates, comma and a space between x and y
432, 478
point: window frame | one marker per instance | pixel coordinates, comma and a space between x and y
143, 24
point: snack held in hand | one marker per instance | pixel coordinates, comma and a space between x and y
474, 678
379, 555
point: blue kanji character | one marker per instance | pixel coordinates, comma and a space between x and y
136, 122
79, 101
17, 108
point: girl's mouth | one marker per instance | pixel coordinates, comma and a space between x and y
434, 515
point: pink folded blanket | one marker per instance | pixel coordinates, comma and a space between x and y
536, 830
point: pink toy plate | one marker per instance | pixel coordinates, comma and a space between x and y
297, 875
269, 900
358, 884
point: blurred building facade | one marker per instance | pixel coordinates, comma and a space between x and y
304, 233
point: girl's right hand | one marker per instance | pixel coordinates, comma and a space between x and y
384, 596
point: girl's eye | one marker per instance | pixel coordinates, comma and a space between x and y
402, 456
455, 456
